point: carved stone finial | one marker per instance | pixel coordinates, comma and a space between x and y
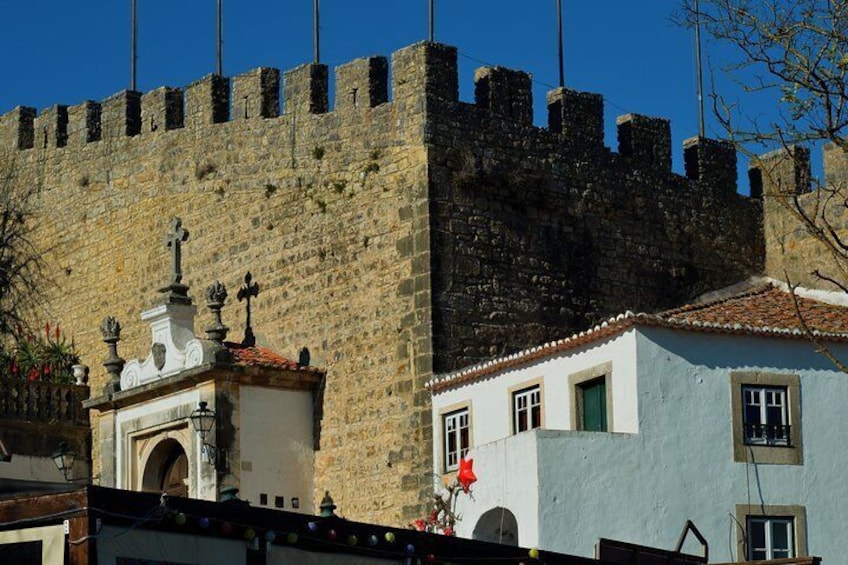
111, 330
328, 507
304, 357
216, 295
250, 289
177, 291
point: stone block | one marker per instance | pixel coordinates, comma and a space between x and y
162, 109
207, 101
51, 127
83, 123
505, 93
256, 94
16, 129
711, 163
578, 117
305, 90
362, 83
646, 140
121, 115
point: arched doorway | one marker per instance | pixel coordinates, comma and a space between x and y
167, 469
497, 525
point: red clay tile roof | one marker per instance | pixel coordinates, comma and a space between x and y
765, 307
257, 356
766, 311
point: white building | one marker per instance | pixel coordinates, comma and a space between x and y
722, 413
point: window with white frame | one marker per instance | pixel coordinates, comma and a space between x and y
527, 409
770, 538
765, 417
457, 438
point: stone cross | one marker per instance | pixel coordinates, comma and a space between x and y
245, 292
177, 292
174, 241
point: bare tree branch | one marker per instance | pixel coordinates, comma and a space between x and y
811, 335
797, 51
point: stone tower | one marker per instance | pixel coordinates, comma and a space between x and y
397, 235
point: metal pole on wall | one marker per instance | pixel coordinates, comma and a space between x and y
316, 19
699, 69
559, 40
220, 46
431, 33
133, 44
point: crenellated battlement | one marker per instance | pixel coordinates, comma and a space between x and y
423, 75
781, 173
398, 232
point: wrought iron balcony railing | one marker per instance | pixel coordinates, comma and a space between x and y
768, 434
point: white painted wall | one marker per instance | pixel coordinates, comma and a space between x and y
642, 487
29, 468
277, 456
491, 409
507, 477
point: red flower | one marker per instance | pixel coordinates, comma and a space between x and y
434, 516
46, 370
449, 531
419, 525
47, 330
33, 375
58, 334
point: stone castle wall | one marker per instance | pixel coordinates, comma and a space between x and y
391, 236
538, 232
799, 215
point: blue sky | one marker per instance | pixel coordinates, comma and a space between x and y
631, 52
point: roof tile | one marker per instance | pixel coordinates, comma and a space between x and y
257, 356
765, 311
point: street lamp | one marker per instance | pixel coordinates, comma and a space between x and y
64, 459
203, 420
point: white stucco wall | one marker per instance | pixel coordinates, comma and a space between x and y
277, 456
643, 487
490, 400
685, 386
29, 468
507, 477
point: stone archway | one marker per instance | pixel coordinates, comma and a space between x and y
166, 469
497, 525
